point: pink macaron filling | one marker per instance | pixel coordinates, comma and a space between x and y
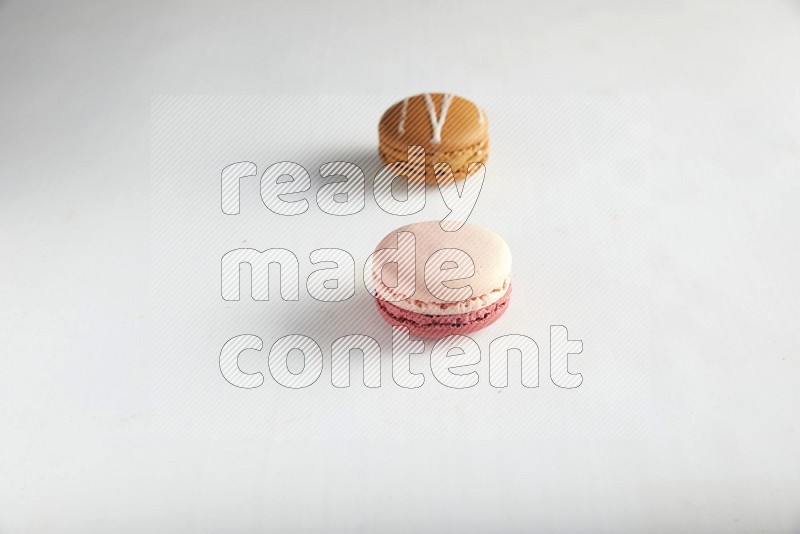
435, 326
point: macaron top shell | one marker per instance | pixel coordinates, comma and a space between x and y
414, 121
489, 253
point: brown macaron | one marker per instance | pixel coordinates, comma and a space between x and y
451, 129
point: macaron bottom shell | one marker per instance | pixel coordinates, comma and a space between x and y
438, 326
459, 163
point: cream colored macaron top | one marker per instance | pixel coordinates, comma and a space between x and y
434, 247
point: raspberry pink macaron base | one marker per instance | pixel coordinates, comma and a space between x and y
437, 326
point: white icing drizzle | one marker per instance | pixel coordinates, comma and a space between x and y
401, 127
481, 116
437, 124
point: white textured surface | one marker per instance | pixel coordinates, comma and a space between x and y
679, 275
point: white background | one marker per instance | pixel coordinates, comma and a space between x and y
644, 171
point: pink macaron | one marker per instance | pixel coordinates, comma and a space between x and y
438, 283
